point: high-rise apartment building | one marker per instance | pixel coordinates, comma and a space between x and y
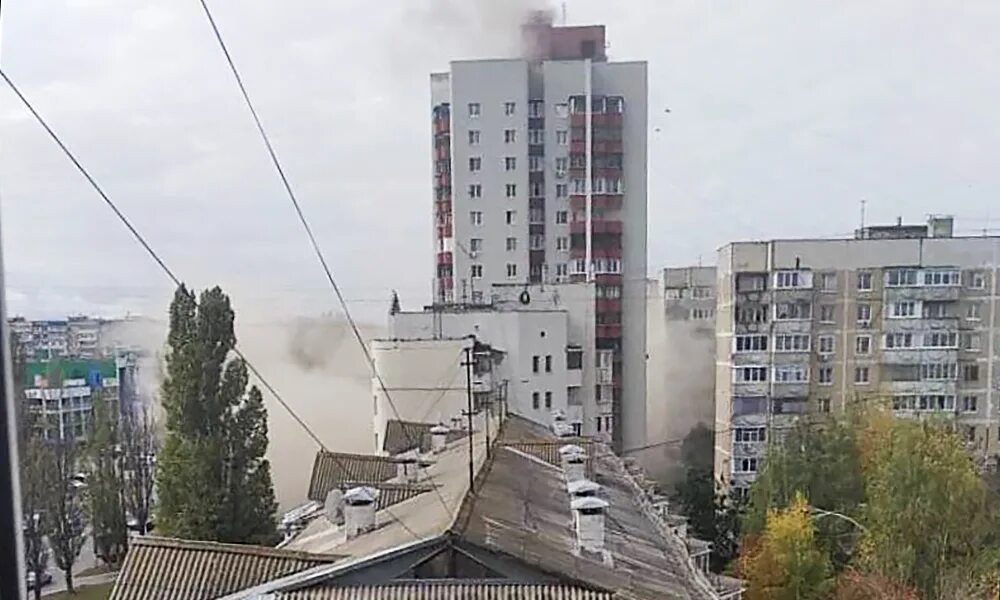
901, 315
540, 177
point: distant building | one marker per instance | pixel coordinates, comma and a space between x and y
76, 337
680, 371
540, 178
62, 394
901, 315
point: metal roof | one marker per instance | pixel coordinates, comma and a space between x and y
159, 568
403, 436
333, 469
449, 591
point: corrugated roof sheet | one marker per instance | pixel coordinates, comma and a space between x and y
449, 591
166, 569
403, 436
332, 469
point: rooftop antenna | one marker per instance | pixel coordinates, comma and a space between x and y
863, 203
564, 13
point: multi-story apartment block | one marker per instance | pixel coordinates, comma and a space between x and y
680, 380
540, 177
77, 337
901, 315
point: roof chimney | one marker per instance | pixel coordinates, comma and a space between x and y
333, 507
588, 518
359, 510
439, 438
407, 469
582, 488
574, 462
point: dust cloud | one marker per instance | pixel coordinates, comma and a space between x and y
317, 367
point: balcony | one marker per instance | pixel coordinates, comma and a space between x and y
612, 226
442, 179
444, 258
578, 119
442, 125
925, 292
608, 279
609, 331
922, 387
578, 202
608, 146
574, 377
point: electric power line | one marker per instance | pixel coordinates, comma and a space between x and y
163, 266
305, 225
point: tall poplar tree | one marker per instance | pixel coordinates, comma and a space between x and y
213, 481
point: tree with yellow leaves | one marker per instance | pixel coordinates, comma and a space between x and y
785, 563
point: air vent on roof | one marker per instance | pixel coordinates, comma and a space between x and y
439, 438
359, 510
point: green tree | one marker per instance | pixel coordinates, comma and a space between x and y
785, 562
926, 510
819, 459
213, 480
106, 485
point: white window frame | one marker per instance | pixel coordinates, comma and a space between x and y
825, 344
832, 317
902, 277
509, 108
562, 243
475, 164
862, 375
863, 340
791, 374
977, 280
510, 136
824, 375
475, 110
792, 279
865, 281
562, 137
475, 190
940, 339
476, 271
755, 373
510, 163
905, 309
942, 277
792, 342
756, 342
510, 190
562, 217
865, 308
474, 137
511, 244
562, 190
973, 312
510, 217
476, 218
511, 270
900, 340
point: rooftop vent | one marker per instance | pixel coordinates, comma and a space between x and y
359, 510
408, 469
582, 488
439, 438
588, 518
574, 462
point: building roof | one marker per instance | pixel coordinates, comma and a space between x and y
57, 371
334, 469
403, 436
159, 568
449, 591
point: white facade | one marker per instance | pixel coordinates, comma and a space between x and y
540, 177
549, 364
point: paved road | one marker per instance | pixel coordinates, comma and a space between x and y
87, 560
79, 582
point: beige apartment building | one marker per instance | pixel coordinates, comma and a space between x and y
902, 315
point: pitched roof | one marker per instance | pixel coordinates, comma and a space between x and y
403, 436
449, 591
333, 469
158, 568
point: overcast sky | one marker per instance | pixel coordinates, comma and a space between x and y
783, 116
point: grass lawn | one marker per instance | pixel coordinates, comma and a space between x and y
90, 592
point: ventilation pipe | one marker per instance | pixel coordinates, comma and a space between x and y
574, 462
333, 507
588, 518
407, 469
439, 438
582, 488
359, 510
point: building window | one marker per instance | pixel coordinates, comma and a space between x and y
824, 405
938, 278
901, 277
511, 270
537, 242
473, 137
511, 216
938, 371
970, 372
829, 281
750, 374
579, 186
476, 217
475, 190
754, 313
751, 282
536, 361
534, 400
509, 108
548, 363
902, 310
898, 340
791, 343
825, 344
511, 190
861, 375
941, 339
864, 313
561, 190
509, 136
977, 280
474, 109
970, 404
561, 110
702, 314
476, 271
973, 311
792, 279
745, 465
971, 342
535, 165
791, 374
792, 311
562, 137
562, 163
548, 399
509, 163
863, 344
475, 163
475, 244
537, 190
749, 434
561, 217
864, 281
562, 243
750, 343
701, 291
826, 314
935, 310
536, 137
536, 108
511, 244
561, 270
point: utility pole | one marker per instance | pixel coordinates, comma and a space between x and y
467, 363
